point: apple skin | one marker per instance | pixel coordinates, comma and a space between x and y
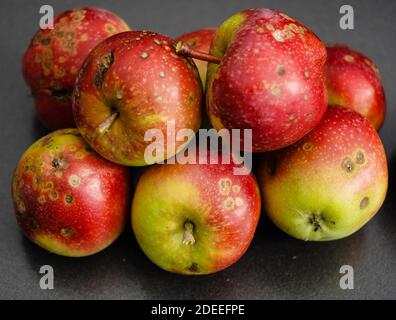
54, 56
68, 199
199, 40
270, 78
330, 183
223, 208
139, 79
353, 81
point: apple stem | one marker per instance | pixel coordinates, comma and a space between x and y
106, 124
184, 49
188, 237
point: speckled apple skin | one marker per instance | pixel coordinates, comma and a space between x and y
353, 81
270, 78
54, 56
68, 199
330, 183
223, 207
138, 75
199, 40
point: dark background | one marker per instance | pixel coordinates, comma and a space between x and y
275, 266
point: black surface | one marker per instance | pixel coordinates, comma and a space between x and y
275, 266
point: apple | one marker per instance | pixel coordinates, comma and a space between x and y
353, 81
199, 40
68, 199
266, 73
130, 83
330, 183
200, 219
54, 56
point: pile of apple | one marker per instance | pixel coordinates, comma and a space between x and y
313, 111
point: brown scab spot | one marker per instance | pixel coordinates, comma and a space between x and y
238, 201
37, 179
58, 163
49, 185
68, 198
41, 199
193, 267
74, 180
53, 195
45, 41
144, 55
349, 58
156, 41
66, 232
359, 159
119, 94
20, 206
162, 74
306, 74
236, 188
229, 203
292, 117
225, 186
364, 202
104, 63
88, 149
276, 90
307, 146
260, 30
110, 29
280, 70
347, 164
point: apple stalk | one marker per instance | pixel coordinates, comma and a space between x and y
185, 50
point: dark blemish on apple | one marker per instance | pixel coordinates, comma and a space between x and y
315, 220
61, 94
37, 179
53, 195
364, 202
104, 64
307, 146
280, 70
46, 141
69, 198
347, 164
66, 232
48, 185
359, 157
57, 163
194, 267
45, 41
88, 149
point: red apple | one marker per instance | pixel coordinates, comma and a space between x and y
67, 198
200, 219
199, 40
353, 81
54, 56
130, 83
330, 183
266, 73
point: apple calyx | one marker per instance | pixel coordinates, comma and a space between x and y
185, 50
188, 237
106, 124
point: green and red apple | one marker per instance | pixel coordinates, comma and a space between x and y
199, 40
330, 183
353, 81
54, 57
130, 83
68, 199
199, 219
270, 78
